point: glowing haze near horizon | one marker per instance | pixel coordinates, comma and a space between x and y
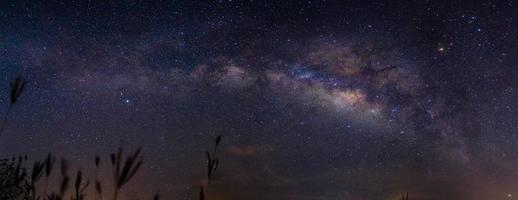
314, 99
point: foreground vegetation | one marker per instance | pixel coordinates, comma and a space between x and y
18, 181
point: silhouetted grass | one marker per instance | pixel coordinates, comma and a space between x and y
64, 178
123, 172
212, 165
37, 172
12, 178
16, 88
49, 165
80, 186
98, 187
404, 197
19, 182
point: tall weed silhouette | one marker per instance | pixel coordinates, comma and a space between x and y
212, 165
16, 88
124, 168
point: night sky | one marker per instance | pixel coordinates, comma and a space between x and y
316, 100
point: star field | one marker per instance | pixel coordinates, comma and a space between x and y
314, 99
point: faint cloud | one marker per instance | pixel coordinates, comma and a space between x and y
243, 150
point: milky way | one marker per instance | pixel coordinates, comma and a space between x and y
314, 99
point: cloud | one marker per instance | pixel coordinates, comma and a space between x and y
243, 150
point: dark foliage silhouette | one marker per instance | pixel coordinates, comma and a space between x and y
16, 88
19, 182
123, 172
12, 178
212, 165
403, 197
